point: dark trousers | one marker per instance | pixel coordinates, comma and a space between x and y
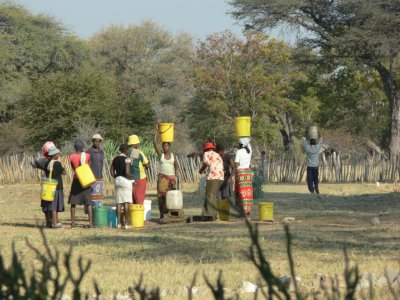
312, 179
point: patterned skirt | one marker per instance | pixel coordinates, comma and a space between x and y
164, 184
244, 189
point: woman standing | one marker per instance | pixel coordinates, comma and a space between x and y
96, 164
212, 161
244, 177
78, 194
52, 208
120, 170
168, 172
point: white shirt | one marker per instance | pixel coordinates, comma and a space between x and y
243, 158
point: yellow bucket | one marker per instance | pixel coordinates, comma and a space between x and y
48, 189
243, 126
223, 209
266, 211
166, 131
137, 215
85, 175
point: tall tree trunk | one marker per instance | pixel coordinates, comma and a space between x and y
287, 132
394, 145
392, 90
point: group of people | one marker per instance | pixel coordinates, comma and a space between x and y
221, 170
51, 164
128, 169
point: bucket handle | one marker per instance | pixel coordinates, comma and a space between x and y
166, 129
51, 165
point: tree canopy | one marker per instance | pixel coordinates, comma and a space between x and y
363, 32
235, 77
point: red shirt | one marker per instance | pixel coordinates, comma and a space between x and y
75, 160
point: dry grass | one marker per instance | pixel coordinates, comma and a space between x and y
169, 255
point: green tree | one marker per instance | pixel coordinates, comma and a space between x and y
53, 107
234, 77
151, 68
365, 32
352, 99
31, 46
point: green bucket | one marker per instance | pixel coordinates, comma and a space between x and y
100, 218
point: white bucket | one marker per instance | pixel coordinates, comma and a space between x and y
147, 210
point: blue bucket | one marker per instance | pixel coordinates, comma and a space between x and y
112, 219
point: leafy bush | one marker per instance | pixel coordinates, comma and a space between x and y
258, 182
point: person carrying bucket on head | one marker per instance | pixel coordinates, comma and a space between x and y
78, 194
212, 162
54, 169
167, 177
121, 171
139, 162
244, 177
313, 148
96, 164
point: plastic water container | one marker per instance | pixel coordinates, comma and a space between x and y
48, 189
243, 126
266, 211
166, 131
137, 215
147, 210
112, 219
313, 133
100, 216
223, 206
174, 199
85, 175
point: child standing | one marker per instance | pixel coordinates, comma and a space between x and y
52, 208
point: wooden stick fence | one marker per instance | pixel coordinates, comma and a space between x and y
17, 169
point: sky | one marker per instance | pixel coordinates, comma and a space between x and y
86, 17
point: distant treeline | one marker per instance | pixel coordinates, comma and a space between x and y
125, 79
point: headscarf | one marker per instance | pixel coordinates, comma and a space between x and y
244, 142
79, 145
45, 149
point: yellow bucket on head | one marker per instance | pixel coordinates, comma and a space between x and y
243, 126
48, 189
223, 206
137, 215
266, 211
166, 131
85, 175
